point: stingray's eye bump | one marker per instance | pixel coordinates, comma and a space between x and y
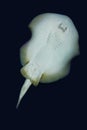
63, 27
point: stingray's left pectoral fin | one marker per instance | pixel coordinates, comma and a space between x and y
24, 89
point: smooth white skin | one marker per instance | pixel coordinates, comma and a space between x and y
46, 57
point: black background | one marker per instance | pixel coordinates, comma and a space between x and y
56, 105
